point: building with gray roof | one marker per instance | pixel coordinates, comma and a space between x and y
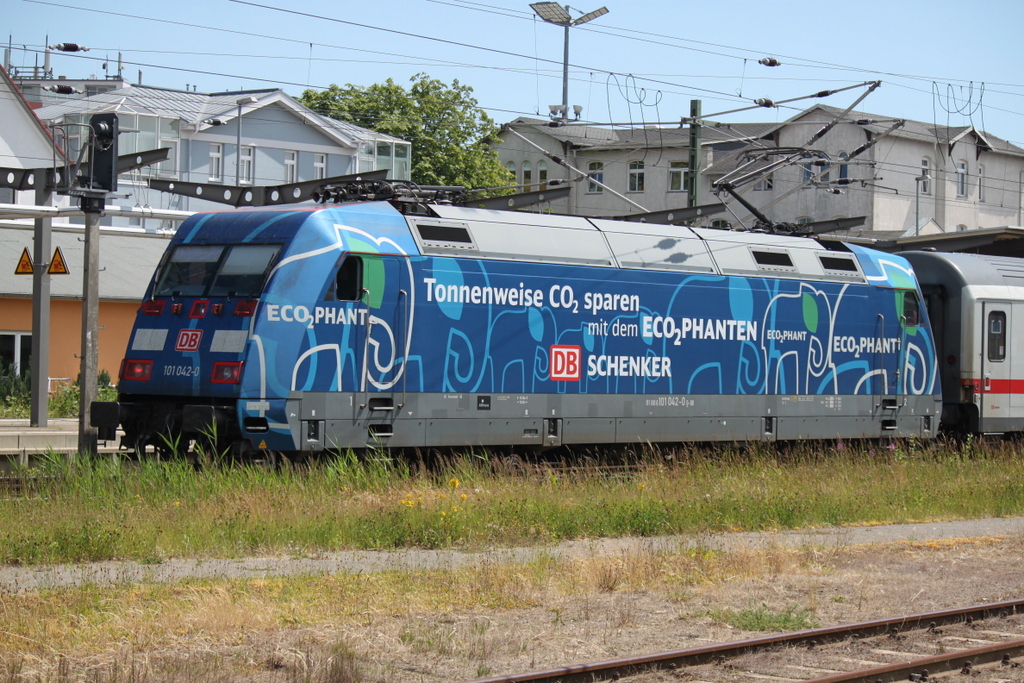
253, 137
912, 177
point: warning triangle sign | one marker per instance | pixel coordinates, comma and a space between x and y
24, 263
58, 266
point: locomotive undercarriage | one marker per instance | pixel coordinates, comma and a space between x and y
170, 428
332, 421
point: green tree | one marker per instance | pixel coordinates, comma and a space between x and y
448, 131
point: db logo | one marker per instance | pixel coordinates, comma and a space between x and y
188, 340
565, 363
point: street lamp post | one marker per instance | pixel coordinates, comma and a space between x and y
238, 146
553, 13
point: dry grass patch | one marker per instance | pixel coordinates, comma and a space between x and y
485, 620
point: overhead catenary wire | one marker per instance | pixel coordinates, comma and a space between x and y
716, 93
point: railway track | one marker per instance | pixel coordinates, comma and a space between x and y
984, 642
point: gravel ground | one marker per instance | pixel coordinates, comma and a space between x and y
19, 579
836, 576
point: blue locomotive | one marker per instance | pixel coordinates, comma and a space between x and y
307, 329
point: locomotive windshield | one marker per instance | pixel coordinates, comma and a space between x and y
216, 270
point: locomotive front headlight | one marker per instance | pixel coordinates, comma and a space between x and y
226, 372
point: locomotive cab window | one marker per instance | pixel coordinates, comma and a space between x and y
188, 270
997, 336
244, 269
194, 270
348, 285
911, 310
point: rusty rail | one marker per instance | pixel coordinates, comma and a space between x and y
629, 666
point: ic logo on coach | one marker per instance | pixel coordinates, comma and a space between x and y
188, 340
565, 363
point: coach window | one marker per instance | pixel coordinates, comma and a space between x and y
911, 310
348, 286
997, 336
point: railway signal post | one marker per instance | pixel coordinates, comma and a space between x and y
101, 180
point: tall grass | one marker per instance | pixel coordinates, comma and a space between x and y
97, 509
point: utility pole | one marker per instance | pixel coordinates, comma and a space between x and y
693, 189
39, 409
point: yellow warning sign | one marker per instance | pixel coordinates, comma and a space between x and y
263, 444
58, 266
24, 263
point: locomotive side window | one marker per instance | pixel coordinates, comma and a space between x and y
997, 336
243, 270
348, 286
911, 310
188, 270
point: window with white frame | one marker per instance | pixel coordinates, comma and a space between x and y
16, 351
167, 131
527, 176
367, 157
385, 156
511, 166
766, 183
595, 171
677, 176
246, 170
636, 176
961, 179
319, 166
926, 173
542, 174
981, 183
168, 168
844, 168
402, 152
291, 167
216, 162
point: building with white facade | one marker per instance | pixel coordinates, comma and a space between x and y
916, 177
257, 137
646, 165
919, 178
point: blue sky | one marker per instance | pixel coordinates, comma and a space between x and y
952, 63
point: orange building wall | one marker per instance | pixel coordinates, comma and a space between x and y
115, 323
